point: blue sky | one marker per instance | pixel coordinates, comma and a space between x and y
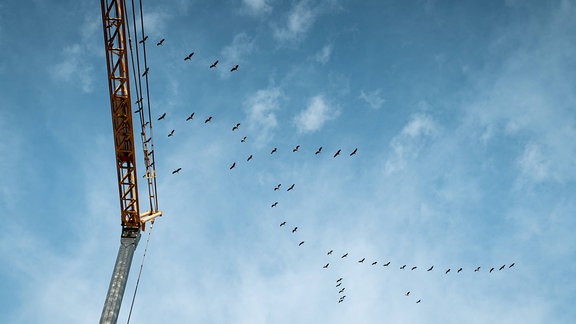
463, 114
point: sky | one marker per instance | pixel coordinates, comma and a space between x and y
463, 115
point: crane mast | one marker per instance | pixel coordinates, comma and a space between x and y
114, 25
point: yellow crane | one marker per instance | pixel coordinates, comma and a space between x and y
116, 33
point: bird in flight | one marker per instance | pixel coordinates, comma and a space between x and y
146, 71
374, 263
318, 151
171, 133
339, 284
148, 140
337, 153
301, 243
326, 266
413, 268
190, 117
459, 270
275, 204
214, 64
502, 267
345, 255
295, 229
354, 152
477, 269
491, 269
161, 42
273, 151
341, 290
339, 279
402, 267
233, 165
387, 264
511, 265
138, 110
447, 270
249, 158
407, 294
236, 126
330, 252
283, 223
143, 40
432, 267
208, 119
162, 116
418, 301
295, 149
176, 171
189, 56
234, 68
277, 187
361, 261
291, 187
243, 139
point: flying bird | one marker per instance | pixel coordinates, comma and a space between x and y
402, 267
176, 171
341, 290
148, 140
295, 229
329, 252
374, 263
337, 153
160, 42
143, 40
189, 56
511, 265
413, 268
249, 158
345, 255
477, 269
459, 270
233, 165
491, 269
277, 187
214, 64
319, 150
295, 149
291, 187
283, 223
502, 267
273, 151
432, 267
138, 110
234, 68
447, 270
340, 279
301, 243
274, 204
236, 126
162, 116
387, 264
243, 139
190, 117
146, 123
145, 71
208, 119
418, 301
354, 152
171, 133
339, 284
361, 261
326, 266
407, 294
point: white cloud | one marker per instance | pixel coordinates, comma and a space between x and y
257, 7
315, 115
323, 56
300, 18
260, 109
373, 98
74, 68
533, 165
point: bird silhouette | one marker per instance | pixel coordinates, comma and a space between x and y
432, 267
236, 126
275, 204
295, 229
295, 149
249, 158
234, 68
354, 152
407, 293
143, 40
145, 71
402, 267
243, 139
171, 133
318, 151
138, 110
214, 64
339, 279
511, 265
148, 140
283, 223
208, 119
329, 252
233, 165
146, 123
277, 187
273, 151
502, 267
447, 270
345, 255
477, 269
190, 117
459, 270
189, 56
160, 42
387, 264
301, 243
339, 284
162, 116
342, 290
418, 301
374, 263
176, 171
361, 261
491, 269
413, 268
337, 153
291, 187
326, 266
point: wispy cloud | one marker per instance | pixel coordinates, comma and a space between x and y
260, 110
323, 56
373, 98
257, 7
534, 167
74, 68
300, 18
316, 114
241, 46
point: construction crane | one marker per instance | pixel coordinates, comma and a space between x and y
116, 26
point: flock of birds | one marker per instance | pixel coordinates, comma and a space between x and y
293, 228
